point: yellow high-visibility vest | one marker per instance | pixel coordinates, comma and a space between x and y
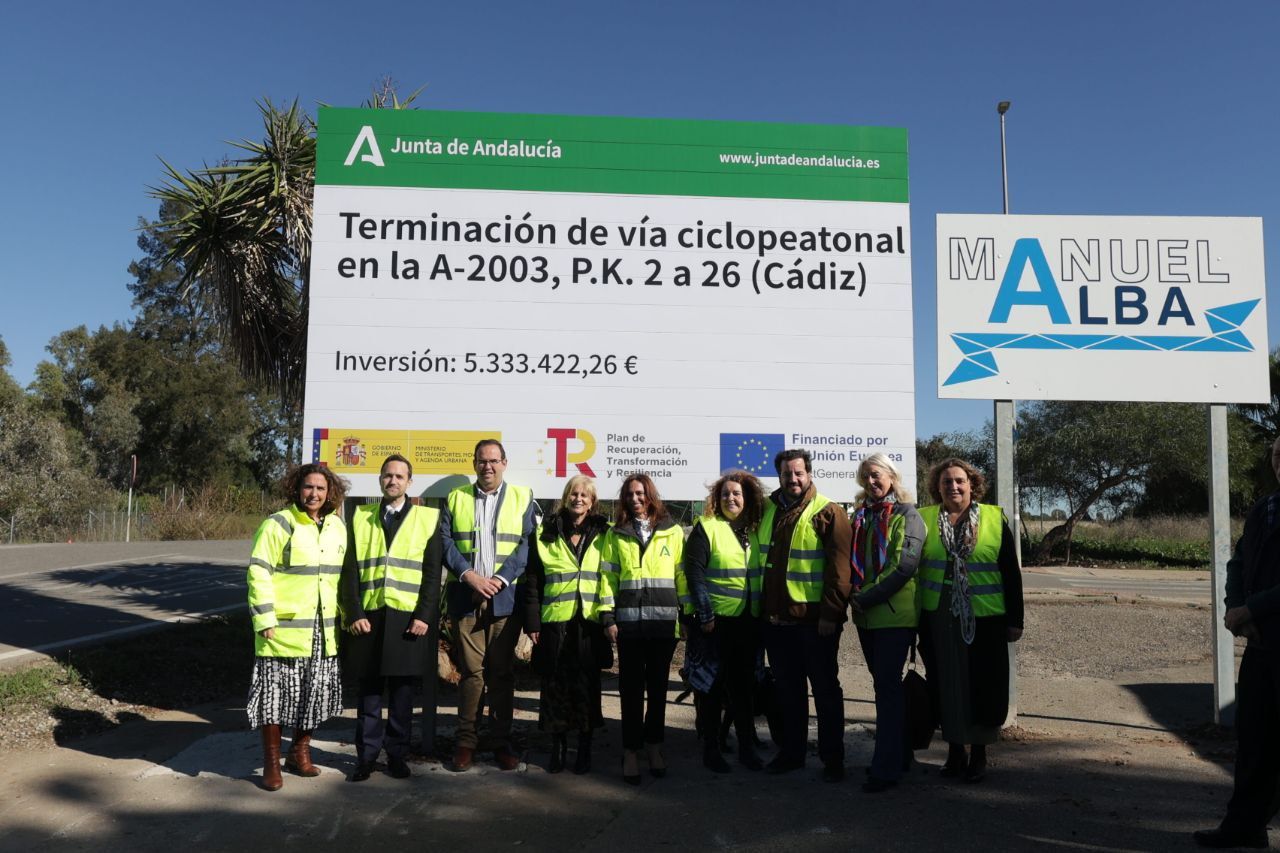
293, 581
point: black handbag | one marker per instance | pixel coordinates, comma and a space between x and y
921, 722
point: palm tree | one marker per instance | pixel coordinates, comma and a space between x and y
242, 240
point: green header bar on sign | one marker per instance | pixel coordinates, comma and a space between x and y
458, 150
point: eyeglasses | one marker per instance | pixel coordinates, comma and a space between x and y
483, 463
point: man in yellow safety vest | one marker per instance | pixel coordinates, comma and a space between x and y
486, 529
391, 605
804, 541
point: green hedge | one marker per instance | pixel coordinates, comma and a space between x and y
1163, 552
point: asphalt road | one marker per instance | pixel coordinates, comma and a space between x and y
1191, 587
56, 597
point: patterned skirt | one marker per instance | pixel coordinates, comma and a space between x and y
296, 692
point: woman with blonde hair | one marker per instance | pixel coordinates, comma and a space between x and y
567, 604
293, 598
888, 535
724, 577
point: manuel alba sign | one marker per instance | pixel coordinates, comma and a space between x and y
1102, 308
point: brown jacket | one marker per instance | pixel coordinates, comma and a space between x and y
832, 526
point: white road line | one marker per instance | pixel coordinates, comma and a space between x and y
117, 632
89, 566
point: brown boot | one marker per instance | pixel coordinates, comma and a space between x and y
298, 761
271, 780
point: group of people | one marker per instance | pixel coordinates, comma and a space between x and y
758, 573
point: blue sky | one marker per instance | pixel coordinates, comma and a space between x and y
1134, 108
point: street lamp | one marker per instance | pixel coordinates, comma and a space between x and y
1002, 108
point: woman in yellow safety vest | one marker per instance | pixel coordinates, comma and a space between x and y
971, 593
724, 575
565, 598
293, 598
887, 538
641, 559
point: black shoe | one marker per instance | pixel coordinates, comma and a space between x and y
362, 772
833, 772
750, 759
957, 762
398, 768
713, 759
977, 764
582, 762
780, 764
559, 746
1221, 838
877, 786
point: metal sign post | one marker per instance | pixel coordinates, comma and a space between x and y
1224, 651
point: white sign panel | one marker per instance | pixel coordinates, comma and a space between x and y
608, 296
1102, 308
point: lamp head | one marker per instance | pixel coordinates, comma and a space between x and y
1003, 107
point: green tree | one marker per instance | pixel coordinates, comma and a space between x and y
43, 484
10, 391
161, 389
1084, 453
972, 446
1264, 422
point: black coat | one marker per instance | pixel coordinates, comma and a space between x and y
389, 648
592, 643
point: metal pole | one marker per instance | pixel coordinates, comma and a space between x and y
1224, 647
1005, 415
128, 512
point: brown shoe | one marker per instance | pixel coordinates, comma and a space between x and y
507, 760
271, 779
298, 761
463, 758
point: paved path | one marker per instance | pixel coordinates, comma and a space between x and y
1164, 585
55, 597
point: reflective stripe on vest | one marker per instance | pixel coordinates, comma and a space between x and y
732, 574
806, 561
293, 581
513, 502
649, 587
986, 588
566, 583
391, 579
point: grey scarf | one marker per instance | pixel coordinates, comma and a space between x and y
959, 540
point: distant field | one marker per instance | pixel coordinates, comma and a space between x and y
1163, 541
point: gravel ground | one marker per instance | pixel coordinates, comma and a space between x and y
1093, 639
1103, 640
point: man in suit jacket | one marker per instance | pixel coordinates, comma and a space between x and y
391, 608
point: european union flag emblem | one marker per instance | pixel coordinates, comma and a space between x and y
752, 452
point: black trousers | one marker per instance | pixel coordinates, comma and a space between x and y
798, 654
737, 642
1257, 778
644, 667
370, 736
885, 651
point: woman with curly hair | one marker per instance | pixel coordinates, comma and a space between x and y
971, 593
725, 594
293, 597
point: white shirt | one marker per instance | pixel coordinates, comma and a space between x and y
486, 555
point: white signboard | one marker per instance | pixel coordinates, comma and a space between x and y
1102, 308
608, 296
